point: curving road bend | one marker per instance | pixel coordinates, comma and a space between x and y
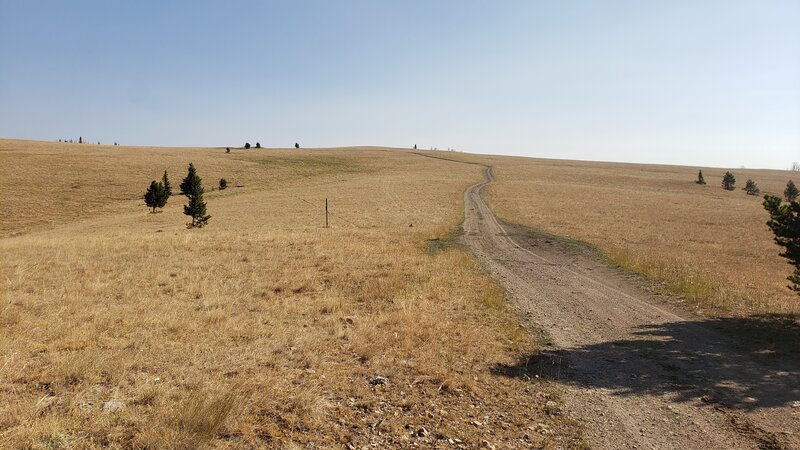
637, 372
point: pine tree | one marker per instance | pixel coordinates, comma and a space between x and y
223, 184
192, 188
700, 179
785, 224
791, 192
751, 187
155, 196
728, 181
167, 185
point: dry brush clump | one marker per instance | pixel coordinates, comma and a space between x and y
709, 245
125, 329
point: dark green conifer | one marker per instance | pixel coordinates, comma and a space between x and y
700, 179
791, 192
784, 222
155, 197
192, 188
728, 181
751, 187
167, 185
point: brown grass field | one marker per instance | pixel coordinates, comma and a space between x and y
709, 245
120, 328
265, 329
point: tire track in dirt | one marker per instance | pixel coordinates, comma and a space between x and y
635, 371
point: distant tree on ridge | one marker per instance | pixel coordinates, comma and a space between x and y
791, 192
751, 187
700, 179
728, 181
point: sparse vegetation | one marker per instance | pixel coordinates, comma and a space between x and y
791, 192
784, 222
726, 262
223, 184
700, 179
751, 187
262, 331
247, 145
728, 181
192, 188
258, 145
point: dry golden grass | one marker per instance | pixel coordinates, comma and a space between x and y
708, 244
262, 329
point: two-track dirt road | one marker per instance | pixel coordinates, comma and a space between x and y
638, 373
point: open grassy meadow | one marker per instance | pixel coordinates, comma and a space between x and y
708, 244
122, 328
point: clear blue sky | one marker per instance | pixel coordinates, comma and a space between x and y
686, 82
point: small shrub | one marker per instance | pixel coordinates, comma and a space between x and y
791, 192
296, 145
247, 145
258, 144
227, 149
751, 187
728, 181
700, 179
223, 184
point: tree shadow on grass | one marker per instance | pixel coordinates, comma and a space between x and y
747, 363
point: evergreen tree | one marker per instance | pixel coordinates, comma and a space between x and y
785, 224
296, 145
258, 144
728, 181
155, 196
192, 188
223, 184
167, 185
246, 145
751, 187
791, 191
700, 179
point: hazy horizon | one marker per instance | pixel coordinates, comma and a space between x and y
715, 84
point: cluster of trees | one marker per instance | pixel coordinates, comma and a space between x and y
80, 141
784, 219
258, 145
159, 192
750, 186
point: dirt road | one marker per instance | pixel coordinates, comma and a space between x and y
638, 372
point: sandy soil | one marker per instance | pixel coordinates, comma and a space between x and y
635, 369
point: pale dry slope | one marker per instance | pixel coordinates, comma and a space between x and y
708, 244
640, 373
263, 329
